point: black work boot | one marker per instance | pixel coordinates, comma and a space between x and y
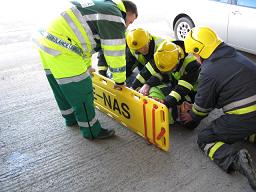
105, 133
243, 164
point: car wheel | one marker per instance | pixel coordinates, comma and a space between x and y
182, 27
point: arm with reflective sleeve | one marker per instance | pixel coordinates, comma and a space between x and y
145, 74
102, 64
206, 97
131, 62
112, 35
185, 84
154, 81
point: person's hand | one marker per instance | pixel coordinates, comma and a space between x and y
119, 86
159, 100
186, 117
185, 107
91, 70
144, 90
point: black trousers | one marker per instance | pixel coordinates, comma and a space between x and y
229, 129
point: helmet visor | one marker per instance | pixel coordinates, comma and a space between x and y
192, 45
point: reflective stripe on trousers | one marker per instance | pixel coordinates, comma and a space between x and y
86, 124
74, 79
67, 112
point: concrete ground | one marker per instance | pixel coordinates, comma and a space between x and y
39, 153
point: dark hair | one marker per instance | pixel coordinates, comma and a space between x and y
130, 7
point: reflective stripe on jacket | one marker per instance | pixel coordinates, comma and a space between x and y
227, 80
85, 28
183, 78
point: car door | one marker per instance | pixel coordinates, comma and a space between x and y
242, 28
213, 13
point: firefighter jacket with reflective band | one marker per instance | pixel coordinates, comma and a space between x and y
183, 78
133, 58
227, 80
83, 29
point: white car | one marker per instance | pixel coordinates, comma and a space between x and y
233, 20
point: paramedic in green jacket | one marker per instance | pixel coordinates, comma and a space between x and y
140, 49
66, 46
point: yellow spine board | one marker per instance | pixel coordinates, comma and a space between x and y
146, 117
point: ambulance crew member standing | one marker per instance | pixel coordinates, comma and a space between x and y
66, 46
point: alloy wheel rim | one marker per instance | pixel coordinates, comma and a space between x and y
182, 30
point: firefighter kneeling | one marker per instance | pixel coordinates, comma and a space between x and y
170, 77
227, 80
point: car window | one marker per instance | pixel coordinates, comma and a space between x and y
247, 3
221, 1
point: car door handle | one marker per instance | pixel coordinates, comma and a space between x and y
236, 13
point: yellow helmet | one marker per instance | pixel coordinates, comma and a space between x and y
202, 41
168, 55
137, 38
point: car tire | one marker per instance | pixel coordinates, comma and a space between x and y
182, 27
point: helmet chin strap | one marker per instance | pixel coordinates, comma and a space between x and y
181, 54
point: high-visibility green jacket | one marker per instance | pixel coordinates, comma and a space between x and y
183, 79
133, 58
82, 30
